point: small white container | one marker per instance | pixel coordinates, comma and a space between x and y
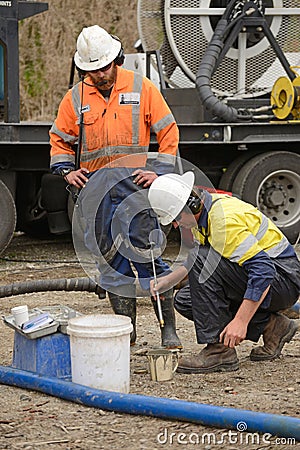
100, 351
20, 314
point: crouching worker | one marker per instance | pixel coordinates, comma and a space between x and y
242, 273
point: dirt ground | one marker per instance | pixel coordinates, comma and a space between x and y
32, 420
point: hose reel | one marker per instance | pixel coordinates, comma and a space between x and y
285, 98
182, 29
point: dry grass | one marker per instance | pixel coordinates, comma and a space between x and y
48, 42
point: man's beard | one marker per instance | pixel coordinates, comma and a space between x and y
107, 82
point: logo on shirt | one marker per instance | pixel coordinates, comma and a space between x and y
129, 98
85, 109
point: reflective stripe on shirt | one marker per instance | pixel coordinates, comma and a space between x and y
66, 137
104, 151
137, 87
167, 120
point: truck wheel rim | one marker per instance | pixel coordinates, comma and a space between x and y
278, 197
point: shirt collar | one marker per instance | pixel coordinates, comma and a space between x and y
202, 222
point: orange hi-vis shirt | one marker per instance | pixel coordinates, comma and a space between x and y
114, 128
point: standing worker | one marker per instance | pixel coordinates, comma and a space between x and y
242, 273
107, 118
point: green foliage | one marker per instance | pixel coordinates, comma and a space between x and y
47, 44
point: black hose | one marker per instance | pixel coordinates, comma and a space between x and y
205, 72
59, 284
209, 65
229, 9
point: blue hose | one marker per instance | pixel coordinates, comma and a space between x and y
221, 417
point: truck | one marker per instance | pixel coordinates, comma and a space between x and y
229, 72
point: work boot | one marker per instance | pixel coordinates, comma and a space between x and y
212, 358
125, 306
278, 331
169, 338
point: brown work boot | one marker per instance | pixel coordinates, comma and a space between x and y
278, 331
212, 358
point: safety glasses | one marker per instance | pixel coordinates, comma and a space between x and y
102, 69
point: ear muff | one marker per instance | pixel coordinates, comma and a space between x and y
120, 58
80, 72
194, 202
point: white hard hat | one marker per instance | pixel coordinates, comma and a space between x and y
95, 48
168, 194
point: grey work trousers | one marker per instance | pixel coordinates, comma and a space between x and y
212, 304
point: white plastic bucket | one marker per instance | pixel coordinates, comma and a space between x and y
100, 351
20, 314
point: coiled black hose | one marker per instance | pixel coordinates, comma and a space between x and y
207, 68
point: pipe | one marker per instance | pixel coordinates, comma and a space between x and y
83, 284
222, 417
59, 284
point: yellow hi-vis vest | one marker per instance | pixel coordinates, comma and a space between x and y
238, 231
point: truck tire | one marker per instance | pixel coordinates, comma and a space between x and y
271, 181
233, 170
8, 216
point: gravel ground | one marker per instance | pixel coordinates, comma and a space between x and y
32, 420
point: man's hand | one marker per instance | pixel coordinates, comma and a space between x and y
162, 285
168, 281
144, 177
77, 178
234, 333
